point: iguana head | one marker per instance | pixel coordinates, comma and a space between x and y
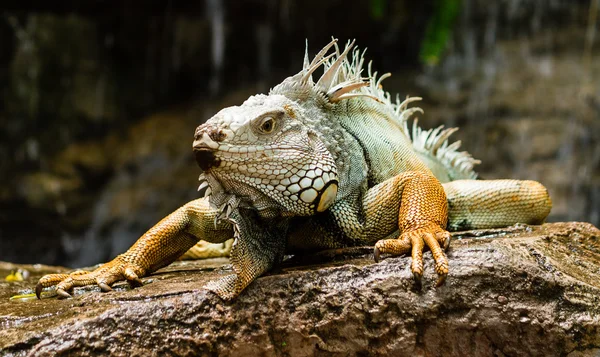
264, 153
272, 151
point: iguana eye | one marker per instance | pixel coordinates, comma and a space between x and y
267, 124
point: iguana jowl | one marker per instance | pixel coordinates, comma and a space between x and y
316, 165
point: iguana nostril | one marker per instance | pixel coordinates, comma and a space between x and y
217, 135
213, 132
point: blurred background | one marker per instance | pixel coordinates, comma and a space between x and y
100, 99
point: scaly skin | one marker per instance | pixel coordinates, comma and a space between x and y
496, 203
316, 165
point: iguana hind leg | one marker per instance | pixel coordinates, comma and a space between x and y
158, 247
204, 250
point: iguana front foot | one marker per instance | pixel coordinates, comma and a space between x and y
104, 277
414, 241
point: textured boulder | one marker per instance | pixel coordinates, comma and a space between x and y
519, 291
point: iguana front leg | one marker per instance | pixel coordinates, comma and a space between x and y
422, 221
158, 247
413, 203
257, 247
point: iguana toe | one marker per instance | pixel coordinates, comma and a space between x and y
415, 241
204, 249
441, 280
391, 246
47, 281
441, 262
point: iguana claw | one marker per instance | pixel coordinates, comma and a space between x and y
376, 254
418, 279
135, 283
38, 291
104, 287
441, 280
63, 293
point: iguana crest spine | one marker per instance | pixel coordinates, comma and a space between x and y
343, 79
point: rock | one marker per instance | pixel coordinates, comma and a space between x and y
519, 291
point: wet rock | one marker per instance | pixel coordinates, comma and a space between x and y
510, 292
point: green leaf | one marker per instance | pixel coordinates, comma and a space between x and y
439, 29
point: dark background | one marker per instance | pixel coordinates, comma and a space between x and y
100, 99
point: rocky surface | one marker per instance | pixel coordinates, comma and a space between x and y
519, 291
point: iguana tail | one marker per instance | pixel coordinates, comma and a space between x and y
480, 204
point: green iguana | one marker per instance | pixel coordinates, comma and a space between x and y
316, 165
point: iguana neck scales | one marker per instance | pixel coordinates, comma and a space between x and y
323, 164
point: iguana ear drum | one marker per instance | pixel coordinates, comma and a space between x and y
327, 196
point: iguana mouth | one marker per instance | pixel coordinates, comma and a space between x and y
206, 158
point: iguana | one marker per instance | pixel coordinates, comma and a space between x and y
316, 165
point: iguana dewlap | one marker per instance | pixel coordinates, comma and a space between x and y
325, 164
